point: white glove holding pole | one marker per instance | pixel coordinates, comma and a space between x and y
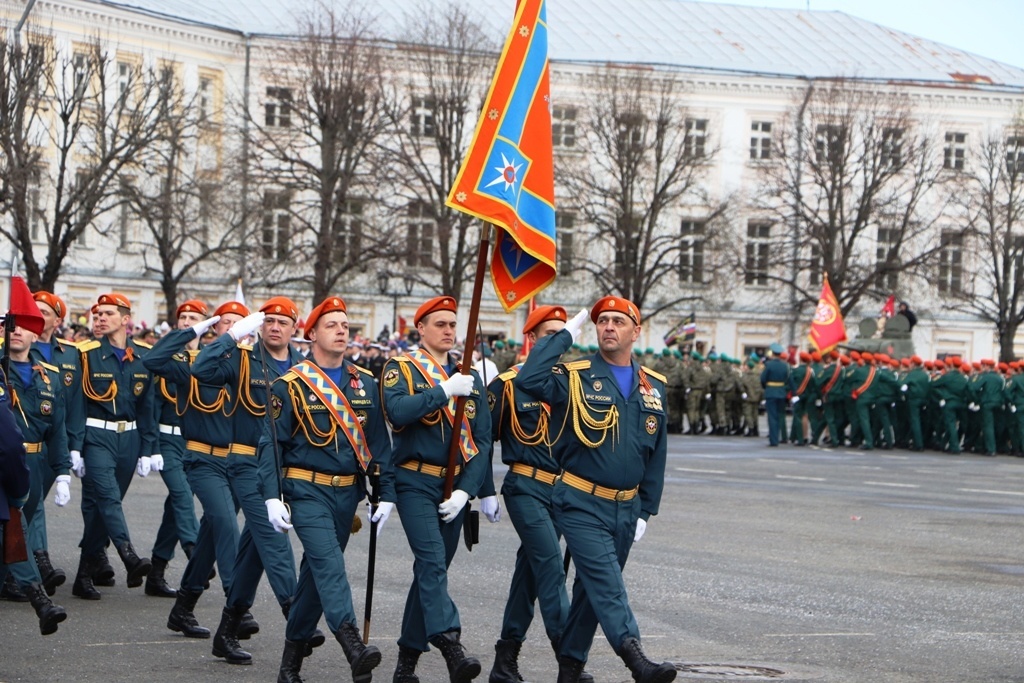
942, 403
795, 400
575, 326
904, 387
144, 466
491, 509
1013, 409
156, 461
77, 464
62, 496
744, 395
817, 403
278, 515
246, 326
201, 328
451, 508
380, 516
458, 385
641, 527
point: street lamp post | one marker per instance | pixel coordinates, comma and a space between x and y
383, 277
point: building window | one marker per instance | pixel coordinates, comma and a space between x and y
691, 252
951, 262
565, 228
892, 148
276, 233
631, 131
348, 232
1015, 154
761, 140
124, 218
205, 99
814, 267
38, 65
421, 115
207, 204
420, 236
278, 108
830, 143
1018, 258
80, 69
758, 248
954, 154
563, 126
696, 138
886, 259
35, 203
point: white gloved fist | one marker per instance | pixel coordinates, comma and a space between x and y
278, 515
794, 400
156, 462
458, 385
575, 326
817, 403
687, 390
1013, 409
451, 508
707, 397
491, 509
63, 494
904, 387
201, 328
975, 407
381, 515
744, 394
77, 464
246, 326
641, 527
942, 403
144, 466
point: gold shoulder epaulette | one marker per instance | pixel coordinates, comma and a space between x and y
46, 365
289, 376
89, 345
363, 370
143, 344
70, 343
506, 376
401, 359
656, 375
578, 364
245, 347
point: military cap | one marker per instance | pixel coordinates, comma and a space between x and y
916, 360
940, 365
988, 362
543, 314
696, 356
328, 305
438, 303
499, 344
666, 351
232, 307
815, 356
281, 305
60, 309
192, 306
114, 299
776, 348
805, 357
617, 304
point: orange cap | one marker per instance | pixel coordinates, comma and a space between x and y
929, 365
976, 364
114, 299
905, 362
966, 368
941, 365
192, 306
867, 357
916, 360
543, 314
618, 304
438, 303
989, 362
854, 355
232, 307
845, 360
328, 305
281, 305
53, 301
815, 356
805, 357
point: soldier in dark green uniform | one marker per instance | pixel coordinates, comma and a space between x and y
915, 389
325, 445
698, 389
418, 395
753, 394
803, 389
950, 390
989, 399
120, 429
774, 379
1014, 394
613, 458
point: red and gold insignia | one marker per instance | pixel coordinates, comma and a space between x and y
138, 388
391, 377
46, 407
491, 399
361, 416
598, 385
651, 424
470, 409
68, 379
275, 404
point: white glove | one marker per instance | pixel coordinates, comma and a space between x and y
246, 326
975, 407
77, 464
744, 394
491, 509
707, 397
942, 403
156, 462
201, 328
1013, 409
687, 390
63, 495
144, 466
451, 508
458, 385
904, 387
641, 527
575, 326
794, 400
278, 515
381, 515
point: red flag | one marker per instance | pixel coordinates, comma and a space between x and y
889, 309
24, 308
403, 326
507, 177
827, 328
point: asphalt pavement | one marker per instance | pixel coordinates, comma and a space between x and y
790, 564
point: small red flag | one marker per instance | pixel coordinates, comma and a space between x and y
24, 308
889, 309
827, 328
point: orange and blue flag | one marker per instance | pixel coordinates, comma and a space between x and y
507, 177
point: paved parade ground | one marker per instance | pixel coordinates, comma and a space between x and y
793, 564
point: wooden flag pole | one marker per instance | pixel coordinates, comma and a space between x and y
467, 366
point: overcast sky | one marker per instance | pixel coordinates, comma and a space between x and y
990, 28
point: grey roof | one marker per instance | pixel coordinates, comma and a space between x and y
673, 33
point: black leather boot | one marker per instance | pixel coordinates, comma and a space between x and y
569, 670
49, 614
225, 641
643, 669
182, 620
583, 676
11, 591
52, 576
362, 659
405, 670
248, 626
460, 667
291, 662
506, 662
102, 572
83, 587
137, 567
156, 584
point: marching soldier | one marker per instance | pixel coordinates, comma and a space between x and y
950, 389
698, 388
774, 378
989, 398
418, 396
753, 394
329, 430
120, 435
613, 467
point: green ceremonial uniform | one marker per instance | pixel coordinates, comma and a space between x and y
802, 386
1014, 393
753, 394
698, 386
918, 385
950, 390
989, 396
619, 443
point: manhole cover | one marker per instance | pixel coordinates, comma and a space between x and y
729, 671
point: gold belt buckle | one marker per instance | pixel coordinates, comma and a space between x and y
121, 425
620, 496
444, 472
336, 480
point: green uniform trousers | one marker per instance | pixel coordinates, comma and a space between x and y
110, 461
179, 523
217, 539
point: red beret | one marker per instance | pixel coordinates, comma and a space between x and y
966, 367
805, 357
989, 362
192, 306
438, 303
53, 301
92, 309
543, 314
232, 307
835, 354
929, 365
882, 357
916, 360
867, 357
976, 364
114, 299
895, 363
855, 355
815, 356
618, 304
906, 362
941, 365
845, 360
281, 305
1004, 367
328, 305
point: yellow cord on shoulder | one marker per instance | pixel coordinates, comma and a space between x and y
537, 437
87, 388
244, 396
301, 408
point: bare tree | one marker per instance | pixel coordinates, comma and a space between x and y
989, 192
449, 59
643, 159
852, 190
